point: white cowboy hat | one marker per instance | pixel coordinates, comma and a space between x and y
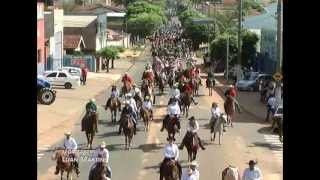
103, 144
92, 100
126, 102
67, 133
194, 163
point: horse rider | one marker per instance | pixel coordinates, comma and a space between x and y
114, 94
102, 155
191, 173
192, 127
171, 153
187, 89
127, 79
175, 93
148, 105
173, 113
215, 113
129, 110
136, 91
70, 146
231, 92
253, 172
271, 106
91, 108
231, 173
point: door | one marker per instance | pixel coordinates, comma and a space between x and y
52, 78
62, 78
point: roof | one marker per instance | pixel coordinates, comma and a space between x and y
88, 34
78, 20
72, 41
95, 9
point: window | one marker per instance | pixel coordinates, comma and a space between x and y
62, 75
39, 55
52, 75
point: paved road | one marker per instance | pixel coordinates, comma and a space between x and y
248, 139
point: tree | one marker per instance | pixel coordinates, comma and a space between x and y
249, 48
109, 54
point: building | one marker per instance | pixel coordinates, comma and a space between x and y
54, 38
40, 38
72, 43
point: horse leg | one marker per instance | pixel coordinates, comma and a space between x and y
61, 173
115, 116
194, 155
88, 139
91, 140
219, 138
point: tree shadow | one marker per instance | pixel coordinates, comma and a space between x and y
267, 145
150, 147
108, 134
266, 130
108, 123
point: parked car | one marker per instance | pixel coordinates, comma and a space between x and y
45, 94
62, 78
252, 81
74, 71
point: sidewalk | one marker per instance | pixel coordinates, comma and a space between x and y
60, 116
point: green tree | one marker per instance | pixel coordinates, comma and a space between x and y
109, 53
249, 48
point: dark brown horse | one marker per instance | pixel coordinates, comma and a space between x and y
185, 103
229, 108
171, 126
128, 129
90, 126
63, 163
98, 172
146, 89
195, 86
170, 171
210, 85
114, 105
146, 116
192, 145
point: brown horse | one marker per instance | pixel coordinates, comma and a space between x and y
210, 85
171, 126
90, 126
114, 105
195, 85
125, 89
185, 103
229, 108
98, 172
146, 116
146, 89
128, 129
192, 145
161, 85
170, 171
63, 163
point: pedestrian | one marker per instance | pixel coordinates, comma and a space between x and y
253, 172
84, 72
271, 106
191, 173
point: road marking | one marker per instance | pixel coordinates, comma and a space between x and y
276, 146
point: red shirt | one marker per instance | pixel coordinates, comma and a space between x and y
188, 88
233, 92
84, 71
127, 78
191, 73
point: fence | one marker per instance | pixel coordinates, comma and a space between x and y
88, 61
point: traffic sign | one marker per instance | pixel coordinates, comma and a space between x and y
277, 76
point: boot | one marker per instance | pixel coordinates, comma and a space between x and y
57, 171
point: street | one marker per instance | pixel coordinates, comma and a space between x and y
248, 139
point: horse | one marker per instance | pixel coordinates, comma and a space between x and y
161, 83
113, 106
90, 126
210, 85
63, 163
126, 88
170, 171
185, 103
98, 172
146, 89
192, 145
216, 125
195, 85
229, 107
128, 129
138, 100
279, 122
171, 126
146, 116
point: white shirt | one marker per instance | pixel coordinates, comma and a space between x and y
194, 176
171, 151
70, 144
133, 104
174, 109
272, 102
103, 153
136, 91
175, 93
215, 112
193, 129
252, 175
147, 105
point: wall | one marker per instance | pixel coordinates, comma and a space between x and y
122, 43
58, 45
101, 26
40, 37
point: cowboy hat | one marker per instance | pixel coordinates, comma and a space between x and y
194, 163
192, 118
92, 100
252, 162
171, 138
103, 144
147, 97
68, 133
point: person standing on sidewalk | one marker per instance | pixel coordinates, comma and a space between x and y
252, 173
84, 72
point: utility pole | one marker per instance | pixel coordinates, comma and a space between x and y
239, 41
279, 36
227, 60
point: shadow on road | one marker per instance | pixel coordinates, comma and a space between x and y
266, 145
107, 123
150, 147
108, 134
